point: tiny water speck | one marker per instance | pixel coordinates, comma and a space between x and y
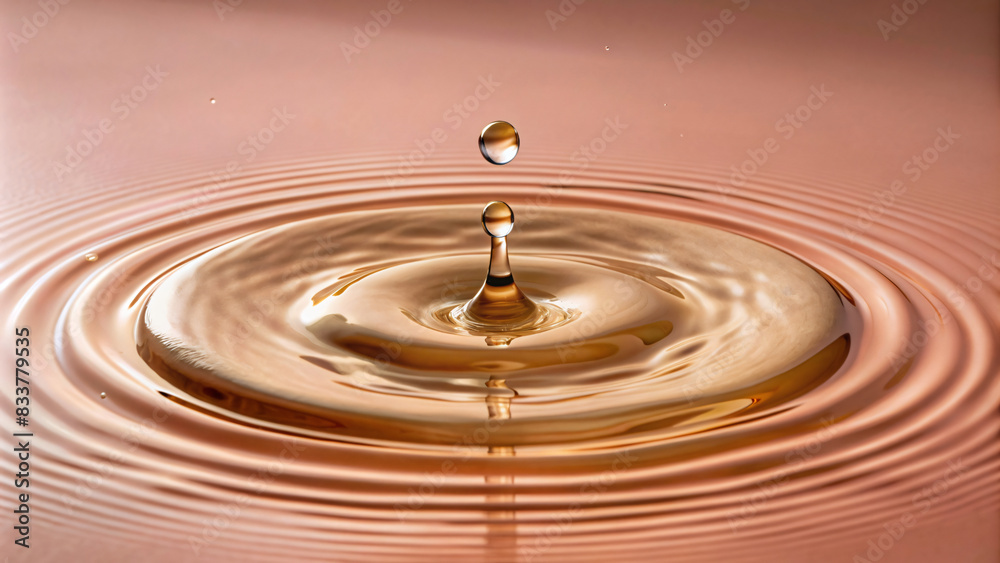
211, 101
607, 48
104, 395
90, 257
499, 142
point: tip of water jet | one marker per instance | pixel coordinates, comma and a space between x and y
500, 305
498, 219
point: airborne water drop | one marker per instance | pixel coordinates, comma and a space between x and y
499, 142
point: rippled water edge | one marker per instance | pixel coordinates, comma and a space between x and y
931, 361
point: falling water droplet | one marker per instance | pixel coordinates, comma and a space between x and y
90, 257
104, 395
212, 101
499, 142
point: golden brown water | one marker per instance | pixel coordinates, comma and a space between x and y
263, 354
635, 336
710, 374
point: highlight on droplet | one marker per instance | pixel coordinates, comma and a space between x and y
90, 257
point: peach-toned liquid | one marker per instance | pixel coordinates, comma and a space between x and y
262, 362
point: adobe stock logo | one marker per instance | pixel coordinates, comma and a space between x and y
566, 9
899, 17
788, 126
696, 44
364, 35
122, 107
30, 26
